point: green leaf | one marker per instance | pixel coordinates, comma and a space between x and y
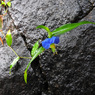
9, 4
25, 77
35, 47
14, 62
67, 27
3, 3
9, 38
46, 28
38, 52
52, 46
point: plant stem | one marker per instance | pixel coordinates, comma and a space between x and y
25, 57
20, 56
14, 52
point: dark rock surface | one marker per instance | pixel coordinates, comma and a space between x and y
28, 14
72, 71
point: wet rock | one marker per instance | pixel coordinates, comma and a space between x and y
71, 72
28, 14
14, 82
85, 7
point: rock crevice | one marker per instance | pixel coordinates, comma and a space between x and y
71, 72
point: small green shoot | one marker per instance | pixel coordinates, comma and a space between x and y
25, 77
3, 3
9, 38
9, 4
34, 49
38, 52
14, 62
46, 28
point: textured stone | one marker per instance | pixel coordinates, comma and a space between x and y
72, 71
28, 14
9, 82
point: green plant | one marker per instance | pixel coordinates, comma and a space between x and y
3, 3
51, 41
47, 43
5, 6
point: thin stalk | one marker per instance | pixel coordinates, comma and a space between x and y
25, 57
20, 56
14, 51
